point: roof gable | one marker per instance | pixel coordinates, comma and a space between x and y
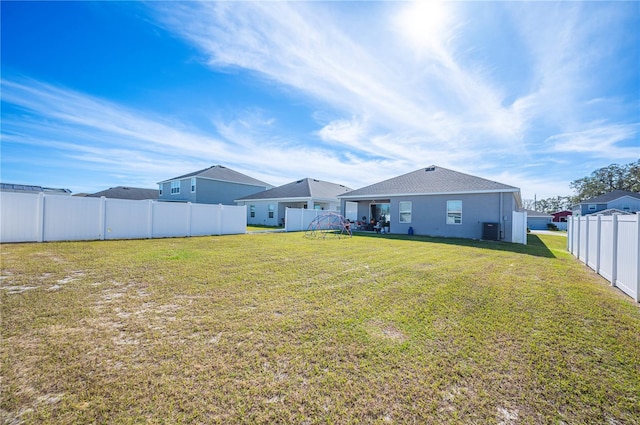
219, 172
431, 180
306, 188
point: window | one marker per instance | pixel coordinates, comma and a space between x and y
160, 189
454, 212
175, 187
405, 211
591, 207
271, 210
193, 184
252, 211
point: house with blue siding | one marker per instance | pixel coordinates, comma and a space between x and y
213, 185
537, 220
436, 201
269, 207
622, 201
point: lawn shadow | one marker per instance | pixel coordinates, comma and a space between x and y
535, 246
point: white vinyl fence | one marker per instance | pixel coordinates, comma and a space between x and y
519, 227
40, 218
298, 219
610, 245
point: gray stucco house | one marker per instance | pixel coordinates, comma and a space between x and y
436, 201
618, 200
268, 207
213, 185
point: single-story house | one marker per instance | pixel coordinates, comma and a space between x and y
26, 188
537, 220
561, 216
213, 185
436, 201
124, 192
622, 200
269, 207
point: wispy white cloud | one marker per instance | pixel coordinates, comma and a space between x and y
393, 86
87, 133
609, 141
419, 88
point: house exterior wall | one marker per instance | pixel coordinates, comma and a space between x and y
261, 210
208, 191
538, 223
583, 209
429, 214
626, 203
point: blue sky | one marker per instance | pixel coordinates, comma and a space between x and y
103, 94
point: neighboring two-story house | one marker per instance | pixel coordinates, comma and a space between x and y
621, 201
213, 185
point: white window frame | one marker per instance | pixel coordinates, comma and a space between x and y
252, 211
454, 212
592, 207
175, 187
404, 211
271, 208
193, 185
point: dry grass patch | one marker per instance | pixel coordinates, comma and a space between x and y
276, 328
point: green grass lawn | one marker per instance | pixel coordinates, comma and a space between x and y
278, 328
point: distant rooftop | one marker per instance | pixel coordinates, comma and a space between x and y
304, 188
219, 172
25, 188
123, 192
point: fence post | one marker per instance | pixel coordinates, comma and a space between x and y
614, 253
638, 257
598, 238
569, 234
220, 221
587, 240
577, 253
40, 224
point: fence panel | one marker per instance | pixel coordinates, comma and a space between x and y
68, 218
606, 248
126, 219
234, 219
20, 219
612, 249
170, 220
37, 218
582, 240
298, 219
593, 247
626, 277
519, 227
205, 219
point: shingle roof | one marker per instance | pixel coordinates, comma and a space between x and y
534, 213
608, 197
305, 188
219, 172
25, 188
122, 192
428, 181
